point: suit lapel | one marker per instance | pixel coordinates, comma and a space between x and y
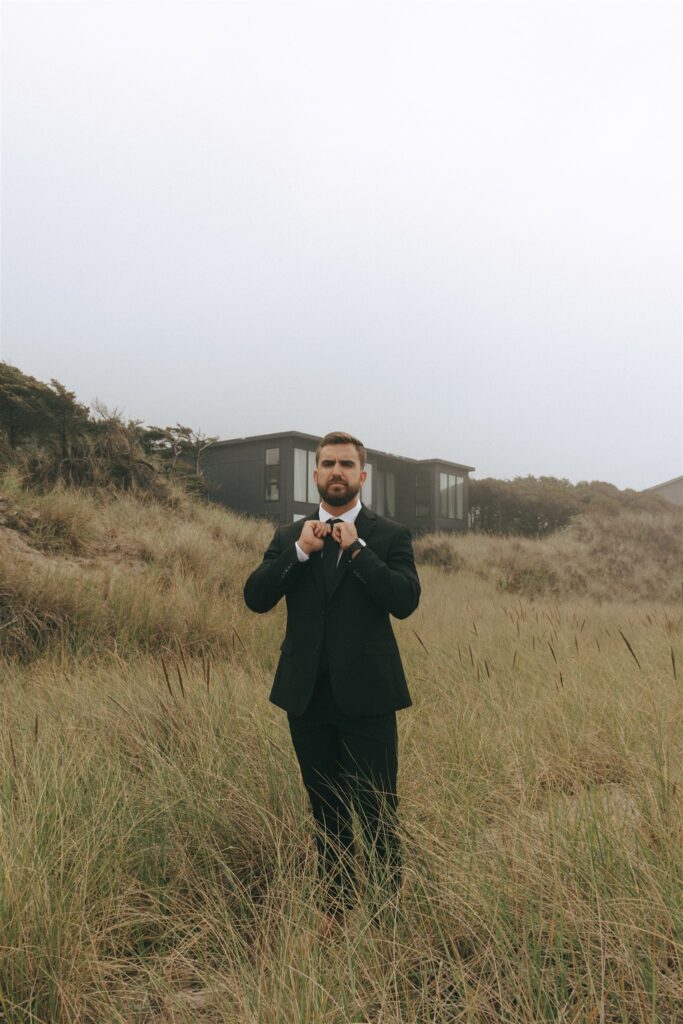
365, 521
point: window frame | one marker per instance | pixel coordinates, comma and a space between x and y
309, 489
451, 496
423, 508
272, 475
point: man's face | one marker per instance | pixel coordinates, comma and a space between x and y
338, 475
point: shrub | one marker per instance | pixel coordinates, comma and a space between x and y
439, 550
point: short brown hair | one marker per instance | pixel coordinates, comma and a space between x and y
340, 437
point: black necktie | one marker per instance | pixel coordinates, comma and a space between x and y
330, 556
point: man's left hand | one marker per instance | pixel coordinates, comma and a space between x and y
344, 534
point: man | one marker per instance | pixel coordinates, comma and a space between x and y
340, 678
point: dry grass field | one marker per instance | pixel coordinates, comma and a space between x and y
156, 859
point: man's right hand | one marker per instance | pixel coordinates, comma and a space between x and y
312, 536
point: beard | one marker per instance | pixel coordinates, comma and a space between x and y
340, 496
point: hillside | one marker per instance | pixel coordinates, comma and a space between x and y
622, 555
156, 850
93, 569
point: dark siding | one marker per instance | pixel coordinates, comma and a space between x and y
405, 496
235, 473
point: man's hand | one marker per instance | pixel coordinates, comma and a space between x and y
312, 536
344, 534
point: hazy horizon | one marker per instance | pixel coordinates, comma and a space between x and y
454, 231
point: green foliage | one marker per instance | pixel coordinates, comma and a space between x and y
179, 449
31, 411
51, 438
537, 506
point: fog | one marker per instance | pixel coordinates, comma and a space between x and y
451, 229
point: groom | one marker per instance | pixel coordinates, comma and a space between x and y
343, 572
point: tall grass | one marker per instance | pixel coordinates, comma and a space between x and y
606, 556
156, 859
87, 572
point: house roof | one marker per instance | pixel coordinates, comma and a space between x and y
315, 439
655, 487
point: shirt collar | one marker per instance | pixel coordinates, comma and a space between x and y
347, 517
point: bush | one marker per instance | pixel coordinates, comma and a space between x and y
438, 549
538, 506
51, 438
529, 576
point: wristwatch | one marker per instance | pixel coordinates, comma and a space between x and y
357, 545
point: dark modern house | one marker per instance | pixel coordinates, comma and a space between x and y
271, 475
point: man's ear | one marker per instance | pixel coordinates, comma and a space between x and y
363, 476
315, 477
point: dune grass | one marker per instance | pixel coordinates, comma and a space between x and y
156, 858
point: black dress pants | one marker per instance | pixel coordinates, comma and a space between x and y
349, 762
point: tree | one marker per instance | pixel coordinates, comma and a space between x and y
33, 411
179, 444
52, 437
537, 506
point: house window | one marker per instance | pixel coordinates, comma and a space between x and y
390, 496
443, 495
451, 496
385, 497
366, 490
423, 493
304, 484
272, 474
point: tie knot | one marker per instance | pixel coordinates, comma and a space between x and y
333, 522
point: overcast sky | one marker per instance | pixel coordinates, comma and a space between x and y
452, 229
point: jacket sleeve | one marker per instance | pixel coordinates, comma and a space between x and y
393, 585
275, 576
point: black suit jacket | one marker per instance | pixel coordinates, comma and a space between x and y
353, 623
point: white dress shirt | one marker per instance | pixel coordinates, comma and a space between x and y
324, 515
